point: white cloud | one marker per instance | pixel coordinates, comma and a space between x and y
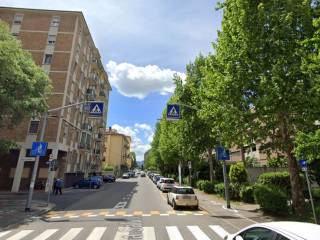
134, 81
136, 132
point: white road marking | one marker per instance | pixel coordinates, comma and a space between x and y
164, 214
46, 234
229, 209
73, 216
4, 233
181, 214
56, 217
128, 215
198, 214
146, 215
219, 230
97, 233
109, 215
120, 205
122, 233
20, 235
71, 234
93, 215
148, 233
173, 233
198, 233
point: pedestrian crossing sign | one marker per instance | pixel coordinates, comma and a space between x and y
173, 112
96, 109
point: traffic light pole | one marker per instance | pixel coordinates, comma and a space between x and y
35, 167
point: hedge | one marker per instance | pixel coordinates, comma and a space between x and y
219, 189
200, 184
246, 194
238, 174
271, 199
280, 179
316, 194
208, 187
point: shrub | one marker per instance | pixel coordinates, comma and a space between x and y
316, 194
246, 194
280, 179
208, 187
277, 162
317, 210
234, 191
200, 184
271, 199
219, 189
238, 174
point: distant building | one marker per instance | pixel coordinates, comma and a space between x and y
117, 150
60, 42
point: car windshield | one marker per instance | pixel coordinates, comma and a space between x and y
185, 191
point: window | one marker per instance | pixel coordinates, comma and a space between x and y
254, 148
18, 19
280, 237
15, 34
52, 39
185, 191
48, 59
34, 126
55, 21
258, 234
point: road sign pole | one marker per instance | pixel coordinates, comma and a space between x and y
226, 184
310, 194
179, 170
35, 167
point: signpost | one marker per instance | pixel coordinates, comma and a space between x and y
224, 155
179, 170
96, 109
189, 165
173, 112
304, 167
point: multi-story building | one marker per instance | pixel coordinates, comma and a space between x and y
60, 42
117, 150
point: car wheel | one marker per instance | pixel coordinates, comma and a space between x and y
76, 186
174, 205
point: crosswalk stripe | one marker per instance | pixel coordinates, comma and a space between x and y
122, 233
97, 233
219, 230
148, 233
71, 234
4, 233
20, 235
198, 233
174, 233
46, 234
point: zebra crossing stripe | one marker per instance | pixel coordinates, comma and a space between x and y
122, 233
97, 233
71, 234
198, 233
173, 233
46, 234
219, 230
4, 233
148, 233
20, 235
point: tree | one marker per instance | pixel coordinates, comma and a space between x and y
23, 85
258, 82
133, 159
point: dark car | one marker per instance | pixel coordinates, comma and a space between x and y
87, 183
142, 174
109, 178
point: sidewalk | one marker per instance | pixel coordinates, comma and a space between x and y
12, 207
240, 215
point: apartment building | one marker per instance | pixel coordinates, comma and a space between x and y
117, 150
60, 42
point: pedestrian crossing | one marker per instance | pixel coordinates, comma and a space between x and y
123, 232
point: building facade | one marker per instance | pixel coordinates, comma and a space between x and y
117, 151
60, 42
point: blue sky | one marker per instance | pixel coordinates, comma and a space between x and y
142, 44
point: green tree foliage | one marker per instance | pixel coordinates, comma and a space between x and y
133, 159
23, 85
259, 84
277, 162
238, 173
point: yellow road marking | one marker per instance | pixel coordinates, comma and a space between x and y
120, 213
154, 212
85, 214
171, 212
103, 213
137, 213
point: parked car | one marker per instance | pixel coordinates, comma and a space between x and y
157, 178
182, 197
86, 183
131, 174
142, 174
125, 175
167, 184
160, 181
99, 179
279, 231
109, 178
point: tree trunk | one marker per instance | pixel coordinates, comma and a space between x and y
243, 156
209, 151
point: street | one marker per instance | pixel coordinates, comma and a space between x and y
127, 209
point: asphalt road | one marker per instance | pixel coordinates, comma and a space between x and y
126, 209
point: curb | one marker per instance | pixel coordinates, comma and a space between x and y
19, 222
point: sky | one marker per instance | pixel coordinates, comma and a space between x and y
142, 44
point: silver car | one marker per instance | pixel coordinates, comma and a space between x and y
182, 197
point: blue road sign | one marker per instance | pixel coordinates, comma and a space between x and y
96, 109
222, 153
39, 149
173, 112
303, 164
